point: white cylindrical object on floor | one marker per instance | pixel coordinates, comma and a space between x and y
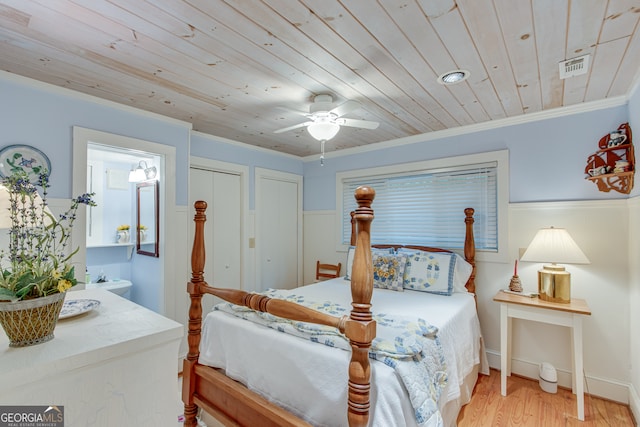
548, 378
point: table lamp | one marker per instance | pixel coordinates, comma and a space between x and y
554, 245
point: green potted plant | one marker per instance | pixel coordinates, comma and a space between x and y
36, 269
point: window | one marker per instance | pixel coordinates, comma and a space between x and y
423, 203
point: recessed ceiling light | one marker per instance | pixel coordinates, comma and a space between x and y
452, 77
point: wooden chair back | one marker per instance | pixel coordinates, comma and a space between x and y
327, 271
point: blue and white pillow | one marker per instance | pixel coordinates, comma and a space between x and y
388, 271
430, 272
461, 270
351, 253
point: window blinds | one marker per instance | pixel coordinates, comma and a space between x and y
427, 207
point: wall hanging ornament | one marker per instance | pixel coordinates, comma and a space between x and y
612, 167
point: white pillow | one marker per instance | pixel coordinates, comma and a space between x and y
351, 252
461, 274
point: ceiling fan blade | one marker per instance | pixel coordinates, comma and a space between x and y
345, 108
366, 124
291, 110
299, 125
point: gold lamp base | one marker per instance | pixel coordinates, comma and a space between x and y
554, 284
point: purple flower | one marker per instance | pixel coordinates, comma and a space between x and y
85, 199
38, 256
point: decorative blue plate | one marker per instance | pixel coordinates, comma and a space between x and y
17, 158
77, 306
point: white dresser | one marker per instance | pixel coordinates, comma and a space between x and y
116, 365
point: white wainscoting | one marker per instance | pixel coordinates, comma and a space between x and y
601, 229
182, 256
634, 304
319, 243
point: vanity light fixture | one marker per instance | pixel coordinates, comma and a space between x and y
143, 172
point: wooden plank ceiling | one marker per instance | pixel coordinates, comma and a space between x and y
242, 69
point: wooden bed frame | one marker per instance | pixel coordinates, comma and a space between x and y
229, 401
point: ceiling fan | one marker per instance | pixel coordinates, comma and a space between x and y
325, 119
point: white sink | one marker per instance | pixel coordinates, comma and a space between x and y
119, 287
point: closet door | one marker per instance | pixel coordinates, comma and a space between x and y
279, 241
222, 192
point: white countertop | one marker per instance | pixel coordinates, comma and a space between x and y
115, 328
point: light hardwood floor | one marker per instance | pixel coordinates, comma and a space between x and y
527, 405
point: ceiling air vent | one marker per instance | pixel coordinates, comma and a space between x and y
574, 66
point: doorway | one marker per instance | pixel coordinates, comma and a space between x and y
162, 299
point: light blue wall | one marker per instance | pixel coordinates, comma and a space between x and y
546, 158
44, 118
119, 206
211, 148
115, 264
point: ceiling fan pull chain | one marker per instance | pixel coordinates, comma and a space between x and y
322, 150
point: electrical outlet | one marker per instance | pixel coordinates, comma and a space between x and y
252, 242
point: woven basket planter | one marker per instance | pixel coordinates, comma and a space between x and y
32, 321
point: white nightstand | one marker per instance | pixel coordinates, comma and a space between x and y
569, 315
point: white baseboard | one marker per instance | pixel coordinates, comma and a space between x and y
634, 402
601, 387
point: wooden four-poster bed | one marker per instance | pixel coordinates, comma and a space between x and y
232, 403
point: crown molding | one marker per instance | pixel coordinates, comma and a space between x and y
479, 127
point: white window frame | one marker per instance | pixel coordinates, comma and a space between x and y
501, 158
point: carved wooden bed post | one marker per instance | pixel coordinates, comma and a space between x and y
195, 315
470, 248
353, 228
361, 328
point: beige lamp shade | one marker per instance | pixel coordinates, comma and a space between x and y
554, 245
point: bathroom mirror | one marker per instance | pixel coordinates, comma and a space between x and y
148, 218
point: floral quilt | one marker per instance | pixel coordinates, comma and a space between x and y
409, 345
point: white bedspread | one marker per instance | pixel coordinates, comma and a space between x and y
297, 374
409, 345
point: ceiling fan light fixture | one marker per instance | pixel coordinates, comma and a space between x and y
323, 131
453, 77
